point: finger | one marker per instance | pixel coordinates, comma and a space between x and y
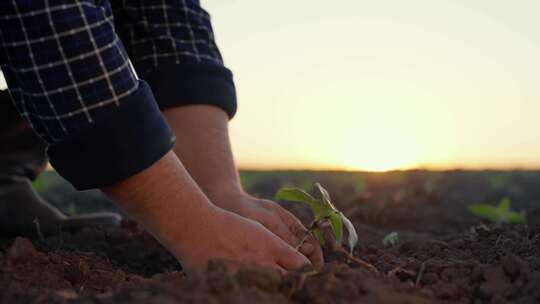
291, 259
281, 270
311, 247
306, 249
284, 232
274, 266
312, 250
292, 225
281, 227
315, 256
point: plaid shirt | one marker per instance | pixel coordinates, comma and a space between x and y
70, 68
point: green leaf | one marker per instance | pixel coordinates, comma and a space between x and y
501, 214
319, 236
324, 193
484, 211
504, 204
323, 210
295, 195
300, 196
352, 238
326, 197
513, 217
390, 239
337, 226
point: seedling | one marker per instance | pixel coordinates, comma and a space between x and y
501, 214
323, 212
391, 239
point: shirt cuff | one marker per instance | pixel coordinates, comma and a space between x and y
124, 141
193, 84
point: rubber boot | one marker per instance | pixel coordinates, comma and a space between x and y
22, 158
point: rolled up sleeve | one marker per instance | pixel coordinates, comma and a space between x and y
71, 79
172, 45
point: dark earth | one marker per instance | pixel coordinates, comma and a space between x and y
443, 253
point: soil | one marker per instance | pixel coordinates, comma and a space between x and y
443, 253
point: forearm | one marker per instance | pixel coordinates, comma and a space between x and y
203, 145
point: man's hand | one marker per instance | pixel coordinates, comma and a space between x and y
170, 205
276, 219
236, 240
203, 146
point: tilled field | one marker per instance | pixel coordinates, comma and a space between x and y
442, 255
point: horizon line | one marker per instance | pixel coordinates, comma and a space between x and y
432, 169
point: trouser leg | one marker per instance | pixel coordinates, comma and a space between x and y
22, 153
22, 159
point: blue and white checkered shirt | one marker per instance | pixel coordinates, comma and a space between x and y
70, 68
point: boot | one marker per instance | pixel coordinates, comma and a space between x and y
22, 159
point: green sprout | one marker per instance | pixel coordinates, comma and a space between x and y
324, 212
501, 214
391, 239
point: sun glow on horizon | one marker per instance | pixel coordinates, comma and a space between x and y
383, 85
380, 161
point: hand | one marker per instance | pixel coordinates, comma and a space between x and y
202, 143
170, 205
235, 240
278, 220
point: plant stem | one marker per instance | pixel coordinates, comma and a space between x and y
312, 227
301, 281
360, 262
337, 247
303, 240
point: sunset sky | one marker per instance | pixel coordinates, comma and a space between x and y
383, 85
379, 85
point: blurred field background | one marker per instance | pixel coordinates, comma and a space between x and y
383, 85
377, 199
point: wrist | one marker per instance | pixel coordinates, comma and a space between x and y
198, 228
203, 146
231, 198
226, 189
164, 199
